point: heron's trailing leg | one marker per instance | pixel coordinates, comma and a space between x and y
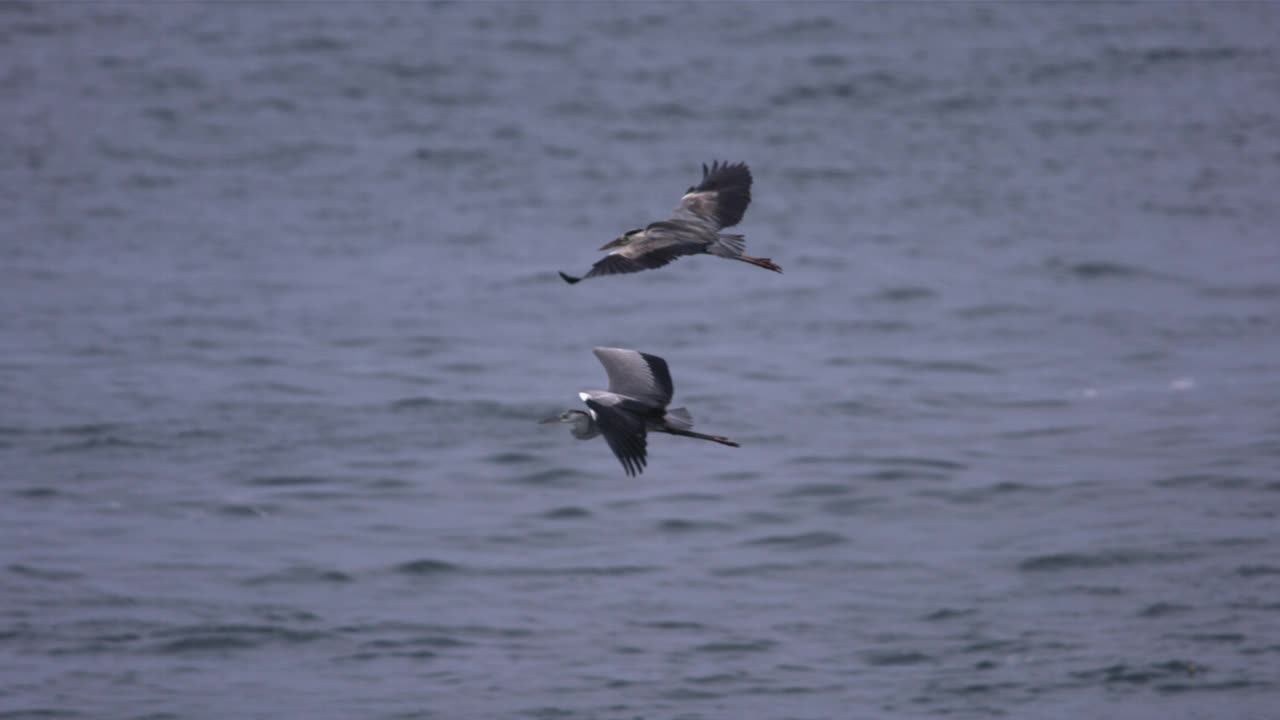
765, 263
700, 436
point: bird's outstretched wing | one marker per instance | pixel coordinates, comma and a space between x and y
625, 433
647, 254
721, 198
637, 375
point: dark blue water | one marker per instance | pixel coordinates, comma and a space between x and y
279, 311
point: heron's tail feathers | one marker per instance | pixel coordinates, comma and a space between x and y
765, 263
728, 246
679, 418
700, 436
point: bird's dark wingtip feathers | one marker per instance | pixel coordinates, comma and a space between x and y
570, 279
732, 183
632, 465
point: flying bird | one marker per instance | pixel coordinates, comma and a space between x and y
718, 202
636, 402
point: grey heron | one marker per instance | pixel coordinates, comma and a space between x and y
718, 202
636, 402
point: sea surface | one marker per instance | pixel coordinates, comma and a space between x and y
279, 312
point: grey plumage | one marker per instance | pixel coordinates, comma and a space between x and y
637, 375
718, 202
640, 389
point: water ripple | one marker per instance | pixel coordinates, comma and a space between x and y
1058, 562
300, 575
216, 638
427, 566
802, 541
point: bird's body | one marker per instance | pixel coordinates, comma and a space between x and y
640, 389
718, 202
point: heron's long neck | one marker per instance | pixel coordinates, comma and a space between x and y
584, 428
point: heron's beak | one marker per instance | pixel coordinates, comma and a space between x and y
549, 420
616, 242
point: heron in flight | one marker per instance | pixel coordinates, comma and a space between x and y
636, 402
718, 202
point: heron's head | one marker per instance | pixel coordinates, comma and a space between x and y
580, 423
568, 416
623, 239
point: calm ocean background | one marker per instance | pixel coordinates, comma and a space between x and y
280, 311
